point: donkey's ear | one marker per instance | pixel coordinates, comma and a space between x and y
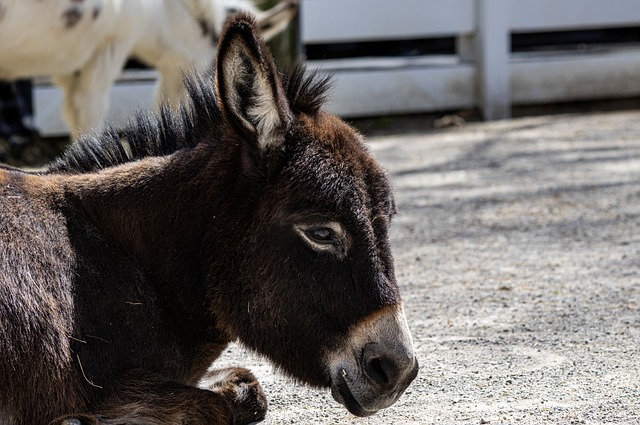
249, 85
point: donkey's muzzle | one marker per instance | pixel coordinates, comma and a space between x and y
361, 403
387, 370
376, 364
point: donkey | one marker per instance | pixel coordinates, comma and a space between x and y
138, 255
84, 44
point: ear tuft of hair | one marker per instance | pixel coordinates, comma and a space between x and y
307, 91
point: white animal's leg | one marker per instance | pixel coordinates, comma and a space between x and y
66, 84
172, 70
87, 90
170, 86
85, 106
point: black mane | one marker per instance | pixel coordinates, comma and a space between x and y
306, 92
166, 132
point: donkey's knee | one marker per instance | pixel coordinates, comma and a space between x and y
241, 390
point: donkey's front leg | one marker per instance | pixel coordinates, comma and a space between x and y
140, 397
241, 390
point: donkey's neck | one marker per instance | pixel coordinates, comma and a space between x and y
159, 210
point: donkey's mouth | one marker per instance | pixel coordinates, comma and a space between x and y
343, 395
375, 363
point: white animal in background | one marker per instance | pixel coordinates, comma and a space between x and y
84, 44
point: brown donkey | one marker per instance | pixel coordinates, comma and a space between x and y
251, 215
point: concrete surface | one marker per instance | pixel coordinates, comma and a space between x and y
518, 255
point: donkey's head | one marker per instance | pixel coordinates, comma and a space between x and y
315, 275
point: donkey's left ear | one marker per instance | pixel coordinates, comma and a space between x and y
250, 88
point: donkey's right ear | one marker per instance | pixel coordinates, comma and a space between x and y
250, 88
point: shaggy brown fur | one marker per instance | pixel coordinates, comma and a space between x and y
140, 254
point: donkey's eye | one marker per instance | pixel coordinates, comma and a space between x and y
321, 235
324, 235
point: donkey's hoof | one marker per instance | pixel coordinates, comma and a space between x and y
242, 391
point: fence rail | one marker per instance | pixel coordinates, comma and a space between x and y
483, 72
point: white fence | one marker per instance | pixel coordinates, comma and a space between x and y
483, 73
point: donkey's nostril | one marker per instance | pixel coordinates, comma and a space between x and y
381, 370
379, 367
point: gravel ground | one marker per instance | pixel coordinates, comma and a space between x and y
518, 255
